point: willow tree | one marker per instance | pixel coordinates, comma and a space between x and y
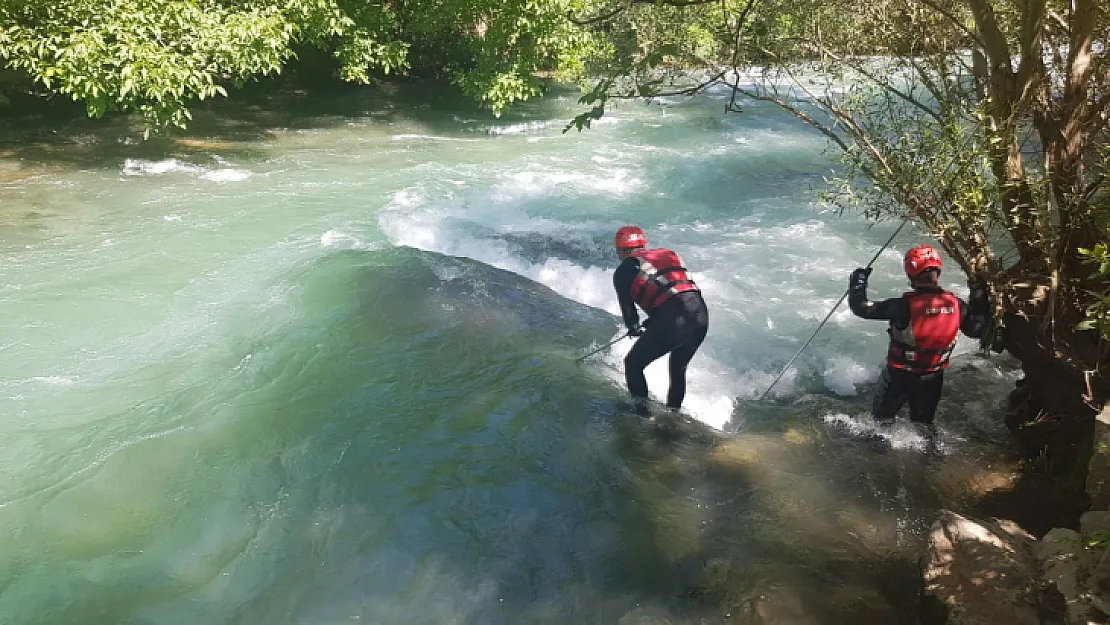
986, 121
160, 56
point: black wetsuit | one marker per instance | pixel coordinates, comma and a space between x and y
898, 386
677, 326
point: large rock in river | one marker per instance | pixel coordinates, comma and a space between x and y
979, 573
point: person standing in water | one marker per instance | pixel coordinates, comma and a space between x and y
924, 325
677, 318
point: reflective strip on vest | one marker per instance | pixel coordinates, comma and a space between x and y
662, 276
926, 344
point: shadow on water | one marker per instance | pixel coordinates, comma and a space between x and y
58, 135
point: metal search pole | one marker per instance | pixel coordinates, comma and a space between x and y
603, 347
837, 305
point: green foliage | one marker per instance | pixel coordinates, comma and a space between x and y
158, 56
1098, 312
367, 42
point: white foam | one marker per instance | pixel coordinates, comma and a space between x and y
901, 435
420, 137
711, 391
768, 275
516, 129
842, 374
52, 380
141, 167
608, 182
341, 241
787, 259
39, 380
710, 396
226, 175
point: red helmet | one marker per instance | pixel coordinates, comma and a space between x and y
629, 236
919, 259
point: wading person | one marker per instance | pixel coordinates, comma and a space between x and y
924, 324
677, 319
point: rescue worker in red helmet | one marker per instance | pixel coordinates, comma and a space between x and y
924, 324
677, 318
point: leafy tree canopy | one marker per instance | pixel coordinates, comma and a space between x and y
157, 56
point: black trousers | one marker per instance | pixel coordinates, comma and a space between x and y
897, 387
677, 327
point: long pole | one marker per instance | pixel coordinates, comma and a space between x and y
837, 305
603, 347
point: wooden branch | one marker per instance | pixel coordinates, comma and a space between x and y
739, 32
731, 106
695, 89
1073, 136
604, 17
858, 134
942, 95
1080, 62
1055, 17
1031, 64
802, 115
957, 22
970, 69
687, 91
1090, 189
885, 84
994, 41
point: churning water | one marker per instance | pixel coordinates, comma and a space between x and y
315, 364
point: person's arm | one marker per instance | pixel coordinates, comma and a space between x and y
975, 312
895, 309
623, 278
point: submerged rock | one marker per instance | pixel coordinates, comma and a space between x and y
775, 605
979, 573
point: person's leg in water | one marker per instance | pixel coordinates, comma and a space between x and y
924, 398
892, 393
692, 327
648, 348
890, 396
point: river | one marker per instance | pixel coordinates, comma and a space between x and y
314, 362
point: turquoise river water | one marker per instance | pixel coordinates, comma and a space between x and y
314, 363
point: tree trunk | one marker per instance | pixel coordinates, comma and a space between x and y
1052, 412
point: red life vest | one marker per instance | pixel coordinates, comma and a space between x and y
926, 344
662, 276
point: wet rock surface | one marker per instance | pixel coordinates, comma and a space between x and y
979, 572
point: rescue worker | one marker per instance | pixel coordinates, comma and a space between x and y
677, 318
924, 324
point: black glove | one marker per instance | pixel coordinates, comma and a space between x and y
645, 323
858, 281
636, 330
